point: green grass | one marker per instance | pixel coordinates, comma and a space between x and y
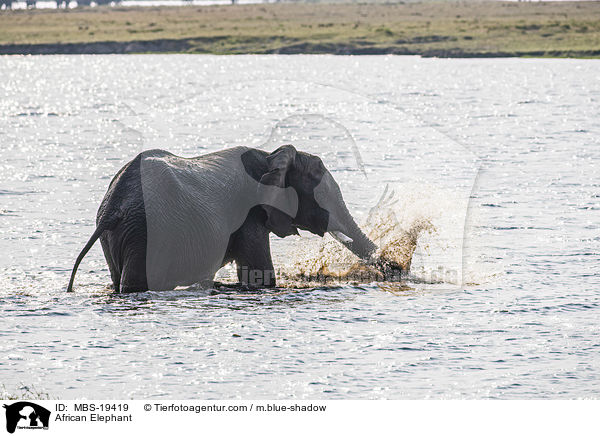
445, 29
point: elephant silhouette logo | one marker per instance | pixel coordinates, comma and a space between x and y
26, 415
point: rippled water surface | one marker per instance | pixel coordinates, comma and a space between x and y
500, 156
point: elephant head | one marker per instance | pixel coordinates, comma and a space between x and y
313, 203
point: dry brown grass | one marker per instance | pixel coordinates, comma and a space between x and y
466, 28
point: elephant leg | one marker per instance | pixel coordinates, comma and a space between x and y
251, 251
133, 277
128, 249
115, 274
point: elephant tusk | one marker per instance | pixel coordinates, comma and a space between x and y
339, 236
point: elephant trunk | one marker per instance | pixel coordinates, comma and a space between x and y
353, 238
359, 244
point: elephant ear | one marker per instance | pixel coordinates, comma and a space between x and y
279, 202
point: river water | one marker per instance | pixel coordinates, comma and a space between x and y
485, 171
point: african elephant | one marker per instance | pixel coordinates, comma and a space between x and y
169, 221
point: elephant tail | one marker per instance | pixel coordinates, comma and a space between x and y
102, 226
87, 247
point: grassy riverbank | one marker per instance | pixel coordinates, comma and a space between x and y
466, 29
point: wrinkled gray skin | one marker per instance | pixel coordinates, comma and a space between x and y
168, 221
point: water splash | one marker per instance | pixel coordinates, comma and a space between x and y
422, 230
328, 262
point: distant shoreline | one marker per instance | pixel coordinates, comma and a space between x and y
174, 46
451, 30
